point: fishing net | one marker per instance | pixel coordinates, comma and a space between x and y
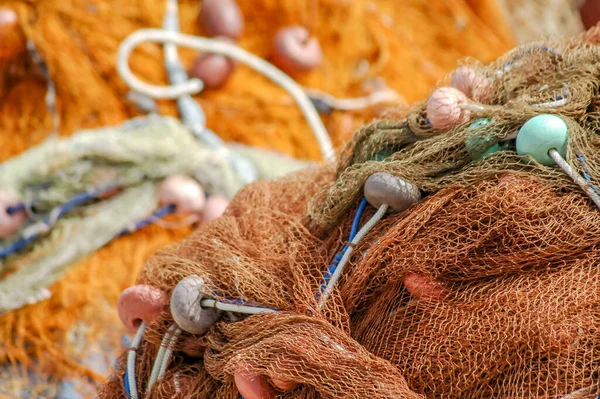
485, 288
79, 40
79, 43
507, 254
537, 78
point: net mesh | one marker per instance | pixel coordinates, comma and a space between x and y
78, 40
486, 288
528, 81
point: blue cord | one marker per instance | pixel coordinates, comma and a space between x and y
77, 200
159, 214
11, 210
359, 212
126, 378
73, 203
16, 246
338, 257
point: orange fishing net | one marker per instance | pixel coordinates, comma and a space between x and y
485, 288
408, 44
359, 40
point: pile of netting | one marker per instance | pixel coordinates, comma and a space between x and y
487, 287
79, 40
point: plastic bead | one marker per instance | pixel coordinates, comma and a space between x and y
253, 386
215, 207
213, 70
283, 384
140, 303
295, 51
192, 347
421, 286
383, 154
462, 79
590, 13
471, 83
384, 188
443, 108
480, 122
540, 134
10, 223
479, 147
474, 146
222, 18
183, 192
186, 309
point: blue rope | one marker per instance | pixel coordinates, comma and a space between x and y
159, 214
11, 210
126, 378
74, 202
359, 212
338, 257
16, 246
78, 199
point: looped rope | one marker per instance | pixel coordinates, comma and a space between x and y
194, 86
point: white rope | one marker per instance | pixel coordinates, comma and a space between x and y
583, 393
168, 353
159, 357
556, 103
585, 185
133, 394
353, 104
230, 307
193, 86
163, 356
551, 104
359, 236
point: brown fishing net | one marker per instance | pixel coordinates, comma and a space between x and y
488, 287
523, 83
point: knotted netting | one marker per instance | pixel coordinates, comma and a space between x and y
487, 287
